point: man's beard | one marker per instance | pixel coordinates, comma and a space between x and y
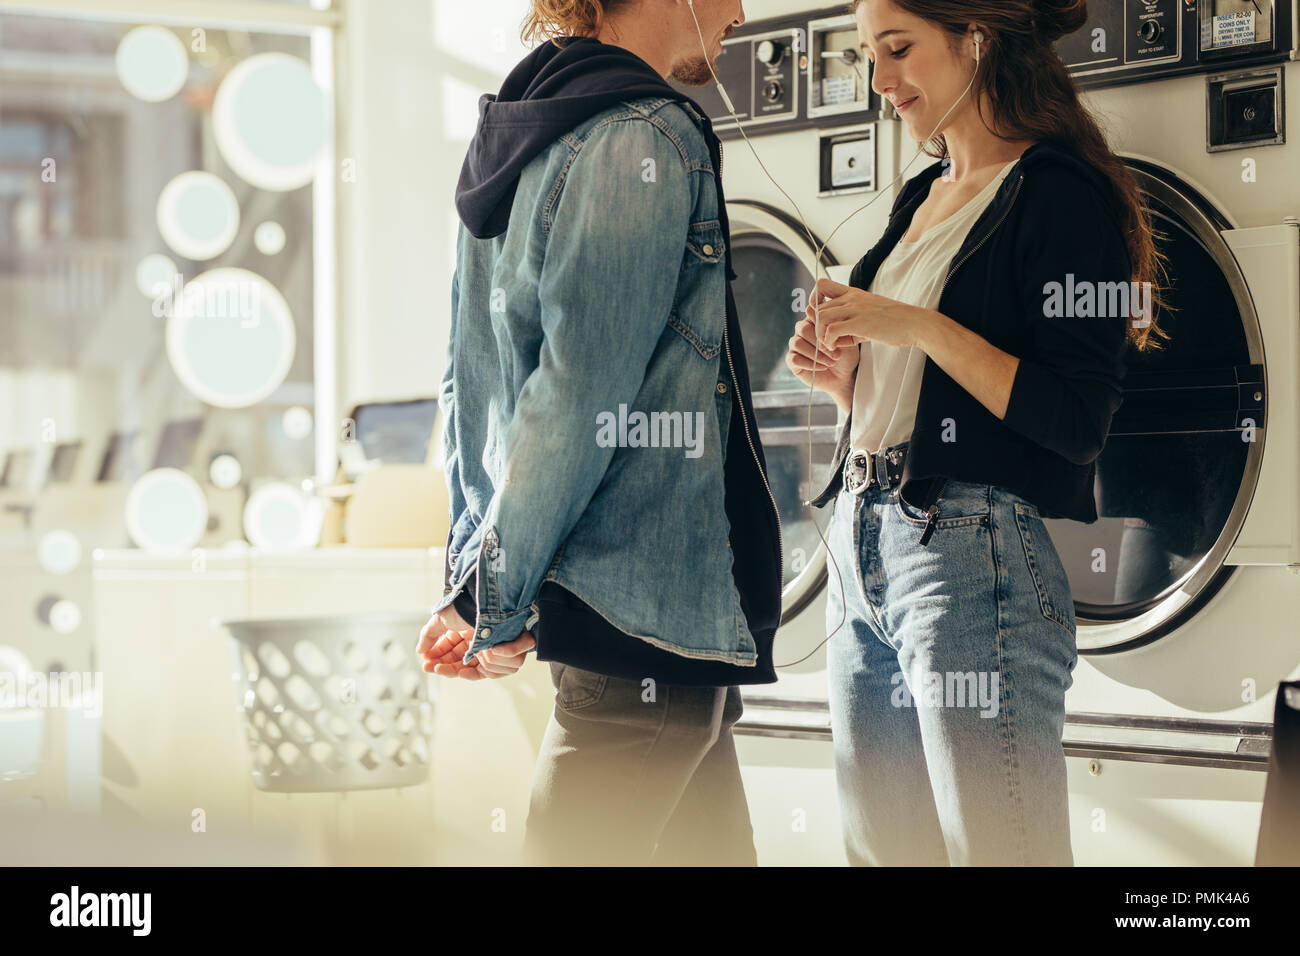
691, 72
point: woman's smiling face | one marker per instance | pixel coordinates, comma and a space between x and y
915, 66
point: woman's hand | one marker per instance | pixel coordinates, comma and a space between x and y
836, 369
850, 316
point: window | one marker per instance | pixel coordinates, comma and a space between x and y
160, 209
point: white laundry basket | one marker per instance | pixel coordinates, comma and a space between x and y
333, 703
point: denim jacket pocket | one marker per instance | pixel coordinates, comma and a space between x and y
698, 314
704, 242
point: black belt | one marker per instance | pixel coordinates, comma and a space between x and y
882, 469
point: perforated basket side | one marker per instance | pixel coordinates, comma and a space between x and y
333, 703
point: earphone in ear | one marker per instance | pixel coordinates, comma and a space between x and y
979, 41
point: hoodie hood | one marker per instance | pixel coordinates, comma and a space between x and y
551, 91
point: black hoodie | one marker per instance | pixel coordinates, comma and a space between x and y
550, 92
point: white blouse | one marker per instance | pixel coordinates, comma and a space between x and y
888, 381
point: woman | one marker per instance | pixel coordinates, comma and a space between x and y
978, 352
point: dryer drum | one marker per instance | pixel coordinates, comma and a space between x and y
1179, 466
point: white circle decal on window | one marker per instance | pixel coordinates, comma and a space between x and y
152, 64
225, 471
166, 512
198, 215
296, 422
59, 551
279, 517
269, 121
154, 275
269, 238
231, 337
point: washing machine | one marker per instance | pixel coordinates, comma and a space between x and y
1187, 588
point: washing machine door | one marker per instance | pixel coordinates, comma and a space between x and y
773, 255
1179, 467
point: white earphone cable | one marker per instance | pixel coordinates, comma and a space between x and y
978, 37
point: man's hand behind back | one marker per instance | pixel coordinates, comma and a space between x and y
446, 637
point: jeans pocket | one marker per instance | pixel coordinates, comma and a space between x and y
908, 511
1050, 579
962, 505
577, 689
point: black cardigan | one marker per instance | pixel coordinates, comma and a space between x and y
1054, 219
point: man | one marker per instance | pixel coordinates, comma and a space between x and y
609, 501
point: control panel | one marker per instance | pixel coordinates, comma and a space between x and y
1126, 41
784, 71
808, 70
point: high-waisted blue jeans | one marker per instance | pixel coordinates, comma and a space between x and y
948, 676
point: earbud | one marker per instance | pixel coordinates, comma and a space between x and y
979, 40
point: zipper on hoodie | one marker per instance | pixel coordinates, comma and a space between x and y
744, 419
983, 238
930, 507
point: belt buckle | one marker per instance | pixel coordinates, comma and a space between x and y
858, 472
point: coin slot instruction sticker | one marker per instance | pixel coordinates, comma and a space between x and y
1233, 29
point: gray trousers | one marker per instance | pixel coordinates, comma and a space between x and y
623, 780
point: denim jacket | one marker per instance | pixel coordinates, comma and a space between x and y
589, 346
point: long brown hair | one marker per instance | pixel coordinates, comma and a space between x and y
1034, 98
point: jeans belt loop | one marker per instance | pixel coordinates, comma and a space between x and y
882, 470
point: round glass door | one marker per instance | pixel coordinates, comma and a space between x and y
1179, 466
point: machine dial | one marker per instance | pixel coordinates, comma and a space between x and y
770, 52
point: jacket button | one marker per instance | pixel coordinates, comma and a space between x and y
708, 249
722, 388
485, 632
